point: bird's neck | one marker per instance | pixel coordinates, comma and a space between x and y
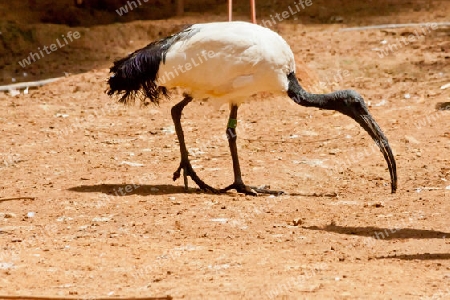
329, 101
323, 101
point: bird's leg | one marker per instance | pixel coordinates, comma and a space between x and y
238, 183
185, 164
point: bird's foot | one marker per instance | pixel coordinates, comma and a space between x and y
189, 171
250, 190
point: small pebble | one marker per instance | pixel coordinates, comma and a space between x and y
101, 219
6, 265
297, 222
410, 139
7, 215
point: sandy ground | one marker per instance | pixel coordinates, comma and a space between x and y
105, 219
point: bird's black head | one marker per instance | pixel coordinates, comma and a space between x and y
350, 103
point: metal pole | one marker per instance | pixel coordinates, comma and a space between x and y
252, 4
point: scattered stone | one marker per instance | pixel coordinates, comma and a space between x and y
7, 215
58, 115
334, 151
336, 19
6, 265
381, 103
177, 225
101, 219
168, 130
131, 164
219, 220
297, 221
410, 139
445, 86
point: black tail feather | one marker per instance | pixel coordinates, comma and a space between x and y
136, 74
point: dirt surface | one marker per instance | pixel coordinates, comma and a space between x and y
105, 219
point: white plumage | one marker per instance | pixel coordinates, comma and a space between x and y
227, 63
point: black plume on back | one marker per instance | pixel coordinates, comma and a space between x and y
138, 71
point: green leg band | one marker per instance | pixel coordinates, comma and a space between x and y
232, 123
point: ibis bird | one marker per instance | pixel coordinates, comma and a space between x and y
227, 62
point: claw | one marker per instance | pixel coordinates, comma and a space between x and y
189, 171
267, 191
249, 190
176, 174
185, 177
240, 188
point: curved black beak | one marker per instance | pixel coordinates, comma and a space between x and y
349, 103
365, 119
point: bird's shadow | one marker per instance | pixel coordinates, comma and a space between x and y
112, 189
419, 256
391, 234
383, 233
368, 231
121, 190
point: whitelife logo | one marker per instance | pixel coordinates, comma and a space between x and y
299, 5
131, 4
34, 56
405, 41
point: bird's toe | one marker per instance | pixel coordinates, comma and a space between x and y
189, 171
250, 190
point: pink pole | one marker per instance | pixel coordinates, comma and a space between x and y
230, 10
252, 4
